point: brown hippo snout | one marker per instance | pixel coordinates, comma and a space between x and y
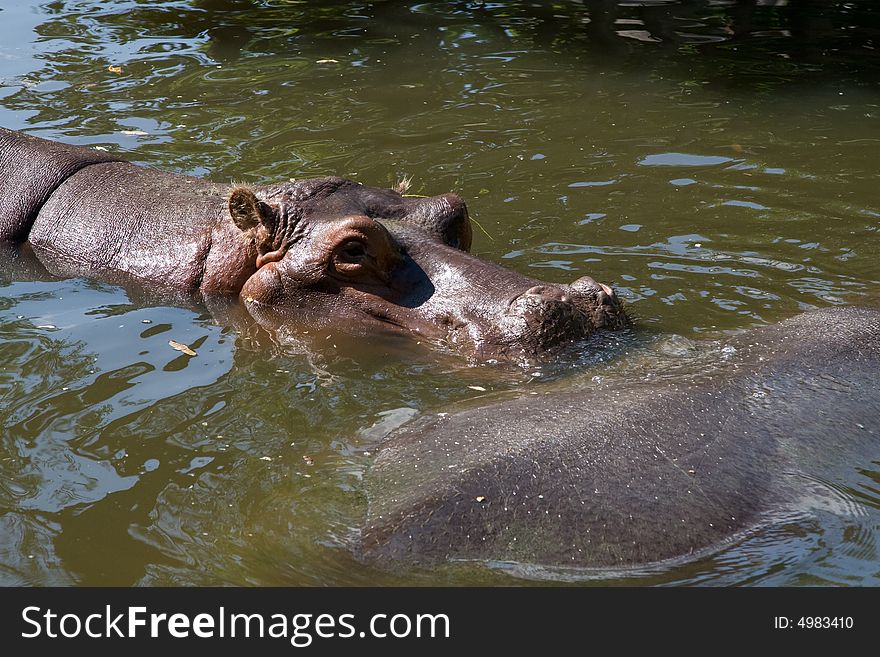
600, 301
585, 295
548, 292
546, 315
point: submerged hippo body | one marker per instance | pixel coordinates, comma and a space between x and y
642, 471
329, 250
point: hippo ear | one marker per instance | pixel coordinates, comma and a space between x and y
246, 210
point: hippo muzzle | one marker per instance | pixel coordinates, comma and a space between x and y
584, 300
543, 317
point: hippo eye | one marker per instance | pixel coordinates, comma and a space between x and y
353, 250
361, 251
351, 258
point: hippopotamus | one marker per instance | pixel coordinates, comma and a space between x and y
328, 251
642, 471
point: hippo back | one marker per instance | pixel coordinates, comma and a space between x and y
31, 169
85, 212
635, 472
119, 217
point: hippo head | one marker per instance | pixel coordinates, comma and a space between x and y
339, 253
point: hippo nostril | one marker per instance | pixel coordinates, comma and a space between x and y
604, 294
536, 291
585, 285
548, 292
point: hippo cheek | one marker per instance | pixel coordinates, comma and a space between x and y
375, 310
265, 286
275, 301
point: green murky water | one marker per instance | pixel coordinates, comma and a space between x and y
716, 161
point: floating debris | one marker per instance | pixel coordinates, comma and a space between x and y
327, 61
179, 346
477, 388
115, 69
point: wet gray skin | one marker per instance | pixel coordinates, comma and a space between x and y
639, 471
323, 252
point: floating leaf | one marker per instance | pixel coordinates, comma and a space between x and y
179, 346
115, 69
